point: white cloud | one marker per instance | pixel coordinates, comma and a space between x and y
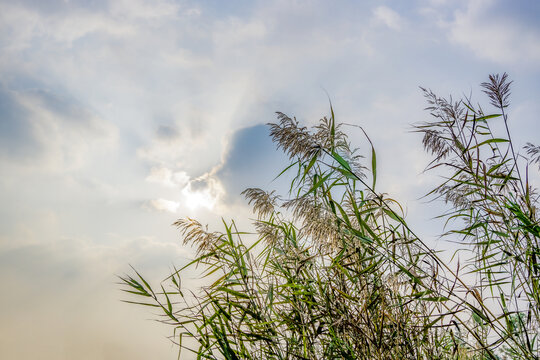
145, 10
57, 26
63, 133
235, 32
165, 205
496, 38
166, 177
204, 192
388, 17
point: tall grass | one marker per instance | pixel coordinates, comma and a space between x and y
335, 271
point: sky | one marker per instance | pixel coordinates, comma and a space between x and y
118, 117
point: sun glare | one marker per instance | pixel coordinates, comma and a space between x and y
200, 198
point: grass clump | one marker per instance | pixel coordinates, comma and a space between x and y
334, 270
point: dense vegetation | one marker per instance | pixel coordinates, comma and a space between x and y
335, 271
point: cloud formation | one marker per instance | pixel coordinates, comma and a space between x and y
495, 36
118, 117
388, 17
39, 126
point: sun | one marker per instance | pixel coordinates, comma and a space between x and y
203, 198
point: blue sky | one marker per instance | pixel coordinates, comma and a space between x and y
117, 117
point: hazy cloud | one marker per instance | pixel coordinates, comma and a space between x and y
167, 177
165, 205
118, 117
492, 33
69, 286
388, 17
16, 131
168, 132
40, 126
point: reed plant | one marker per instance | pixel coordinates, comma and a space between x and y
334, 271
